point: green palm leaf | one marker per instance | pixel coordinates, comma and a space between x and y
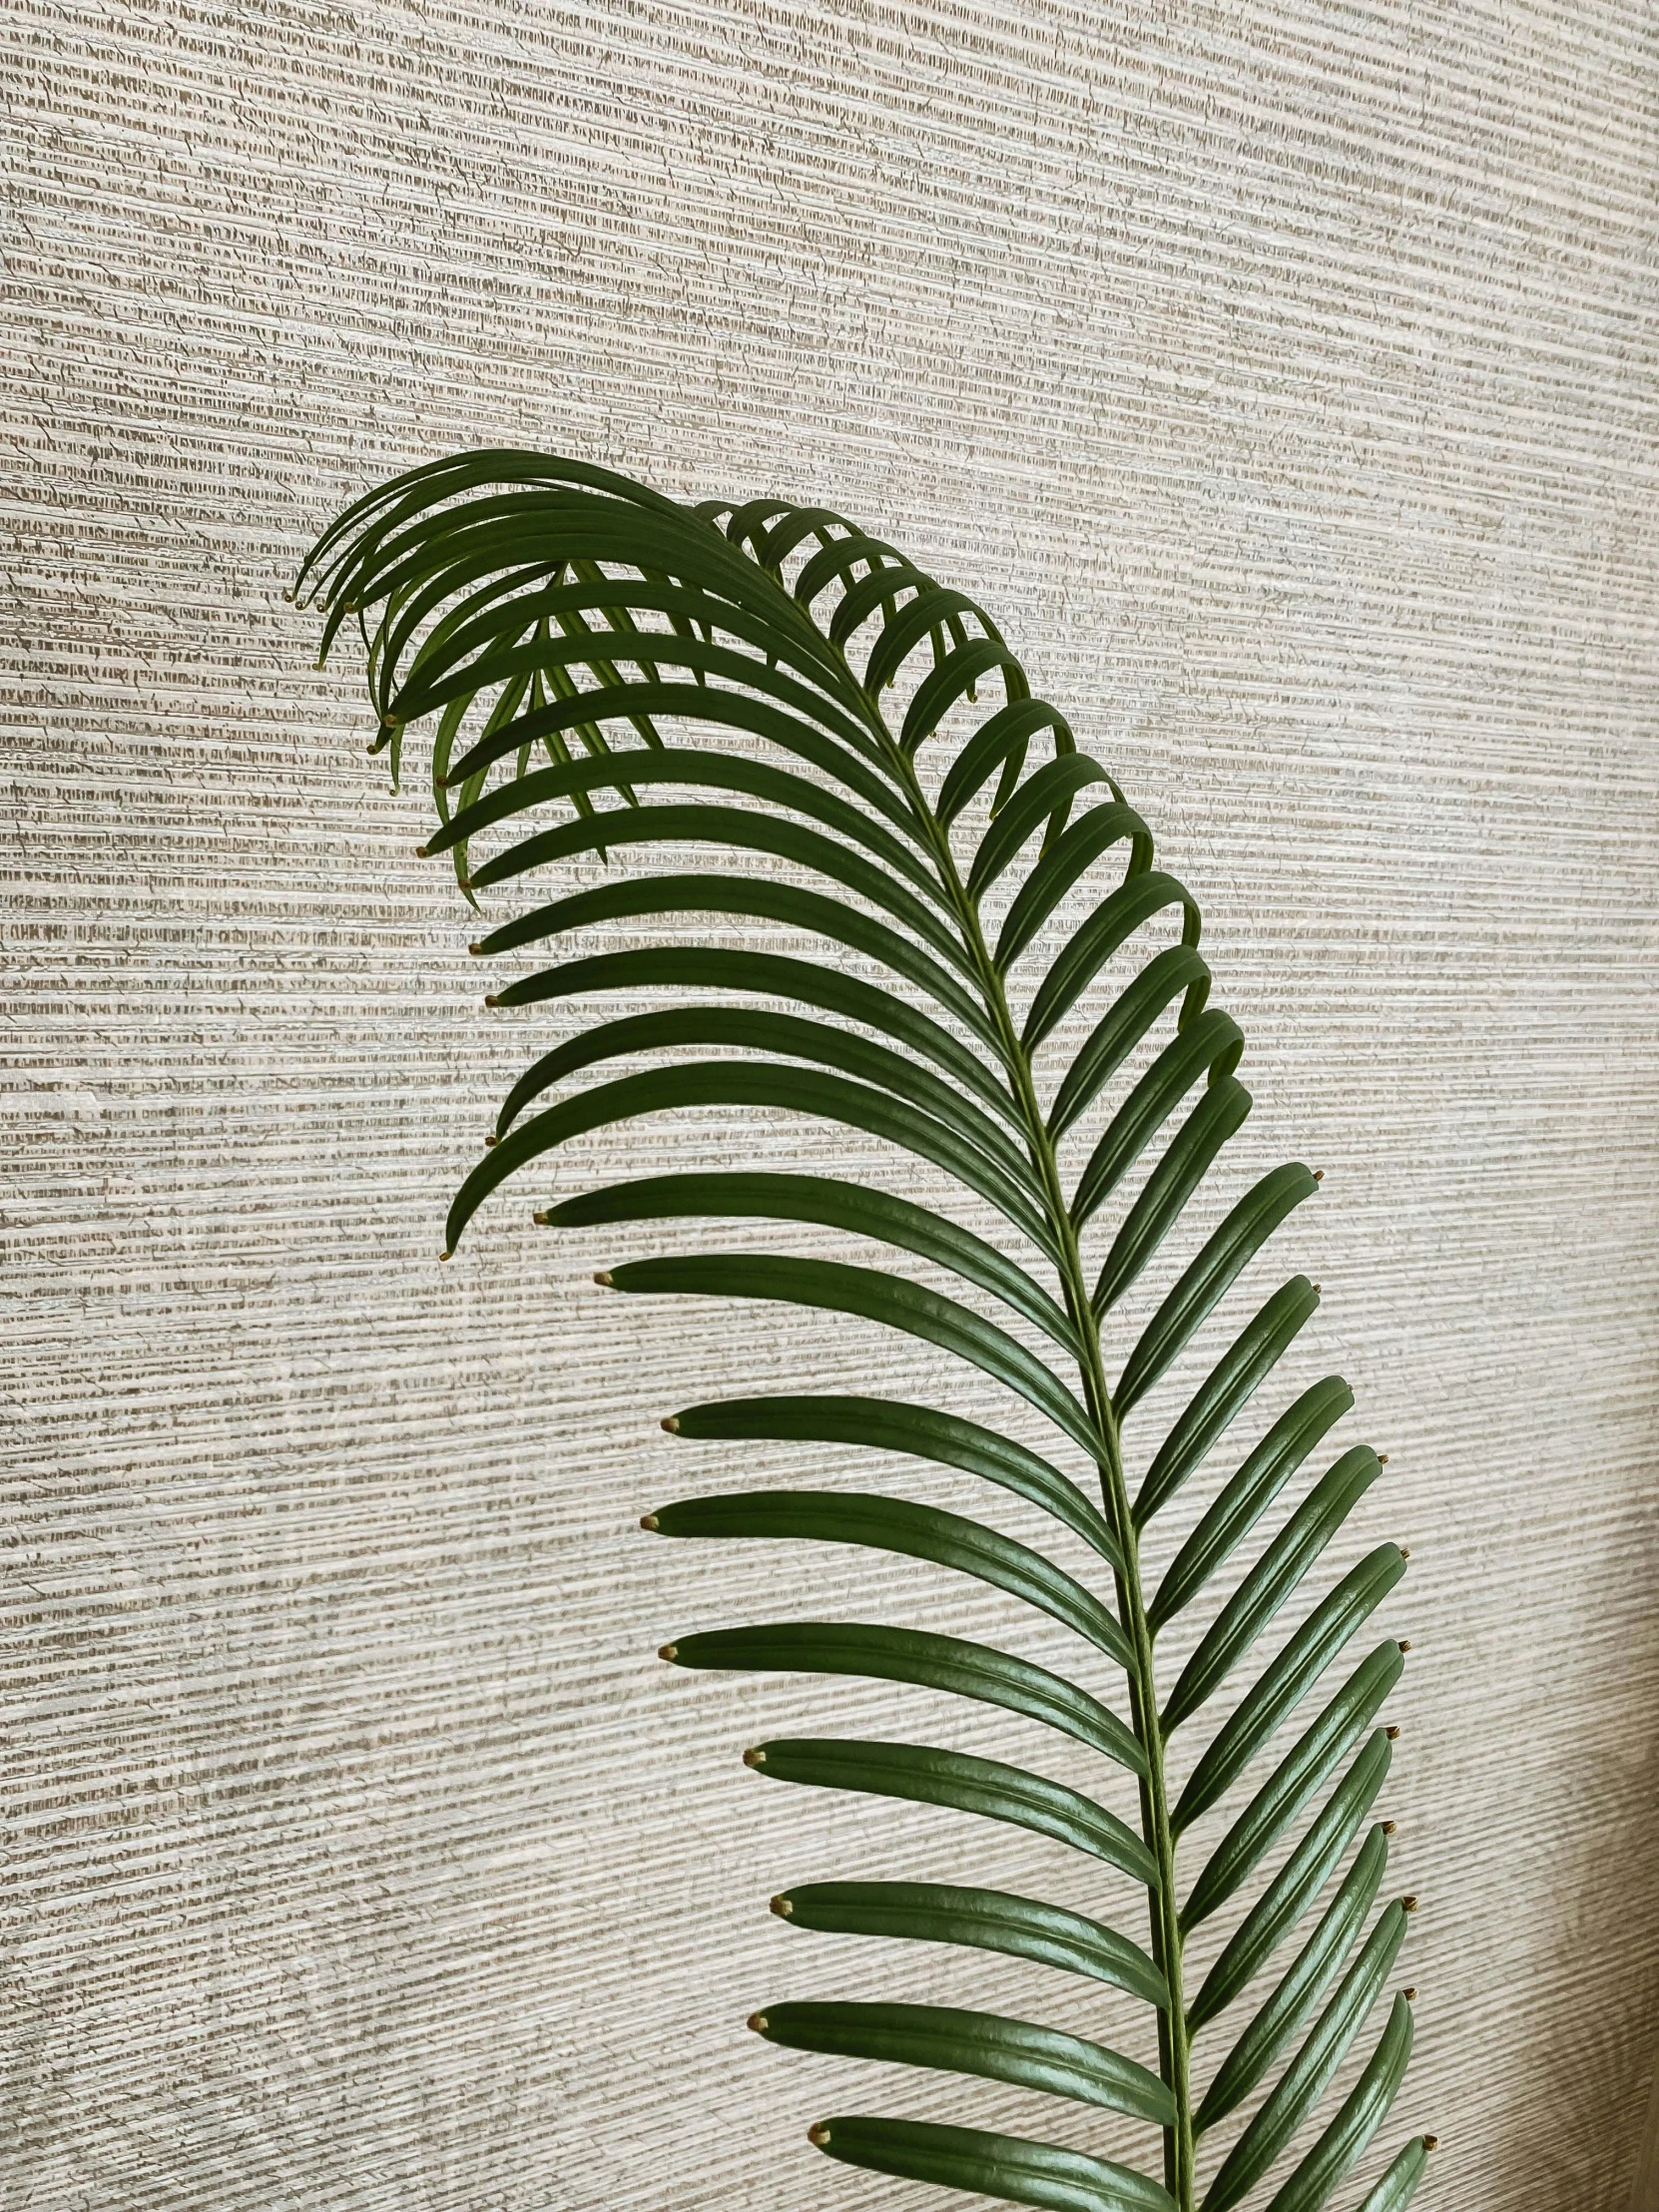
610, 673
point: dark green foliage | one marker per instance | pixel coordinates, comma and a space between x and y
612, 671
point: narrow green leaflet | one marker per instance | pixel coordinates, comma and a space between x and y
916, 1655
966, 1784
1400, 2184
916, 1531
1226, 1391
1249, 1493
721, 968
1301, 2085
866, 1291
1271, 1581
1288, 1680
889, 1425
1296, 1884
771, 1084
1343, 2141
1005, 2166
1296, 1778
984, 1919
983, 2044
1311, 1973
865, 1212
1209, 1278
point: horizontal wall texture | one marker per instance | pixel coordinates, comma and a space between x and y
1283, 380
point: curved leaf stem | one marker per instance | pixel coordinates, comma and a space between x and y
1172, 2041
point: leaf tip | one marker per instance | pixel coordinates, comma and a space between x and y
1409, 1903
465, 882
668, 1651
671, 1422
756, 2022
1388, 1827
1405, 1551
819, 2133
542, 1221
447, 1253
650, 1520
1393, 1734
1432, 2142
602, 1275
783, 1906
1318, 1175
477, 948
422, 851
1382, 1459
491, 1141
1409, 1995
755, 1756
1406, 1643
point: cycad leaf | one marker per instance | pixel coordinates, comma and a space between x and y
865, 1212
1400, 2184
889, 1425
1247, 1496
1005, 2166
1271, 1581
917, 1655
1287, 1789
965, 1783
954, 2040
610, 671
916, 1531
985, 1919
1282, 1687
1345, 2140
1296, 1884
1300, 2088
1310, 1974
866, 1291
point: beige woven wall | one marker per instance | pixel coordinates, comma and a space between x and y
1284, 377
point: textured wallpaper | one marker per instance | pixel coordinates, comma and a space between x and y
1283, 379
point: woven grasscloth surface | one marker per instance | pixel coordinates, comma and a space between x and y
1282, 377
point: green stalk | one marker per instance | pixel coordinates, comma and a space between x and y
1173, 2048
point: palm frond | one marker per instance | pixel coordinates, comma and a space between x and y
609, 672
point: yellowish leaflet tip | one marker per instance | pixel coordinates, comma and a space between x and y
755, 1757
373, 745
648, 1520
1382, 1459
1316, 1290
1406, 1643
446, 1256
288, 598
492, 998
475, 950
420, 852
491, 1141
542, 1221
782, 1908
1411, 1995
672, 1423
391, 721
1411, 1903
1388, 1827
1393, 1734
1405, 1551
1318, 1175
668, 1651
602, 1276
1432, 2142
466, 882
818, 2134
758, 2021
